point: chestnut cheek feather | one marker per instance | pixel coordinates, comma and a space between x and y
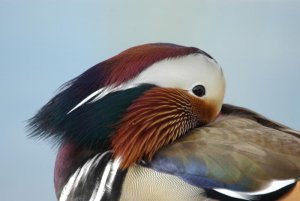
206, 111
155, 119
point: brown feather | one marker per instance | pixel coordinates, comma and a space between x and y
158, 118
240, 148
243, 112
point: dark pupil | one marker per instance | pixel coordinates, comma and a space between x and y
199, 90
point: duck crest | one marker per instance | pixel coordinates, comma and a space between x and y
95, 121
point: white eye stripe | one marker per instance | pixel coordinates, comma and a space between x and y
185, 73
100, 93
91, 96
181, 72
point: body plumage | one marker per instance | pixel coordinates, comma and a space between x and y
150, 124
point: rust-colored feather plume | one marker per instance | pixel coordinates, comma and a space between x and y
157, 118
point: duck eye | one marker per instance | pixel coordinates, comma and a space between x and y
199, 90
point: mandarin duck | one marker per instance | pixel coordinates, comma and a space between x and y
149, 124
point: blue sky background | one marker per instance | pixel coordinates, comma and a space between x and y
46, 43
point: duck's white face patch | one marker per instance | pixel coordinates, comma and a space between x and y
181, 72
185, 73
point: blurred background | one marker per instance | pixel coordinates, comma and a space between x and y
46, 43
